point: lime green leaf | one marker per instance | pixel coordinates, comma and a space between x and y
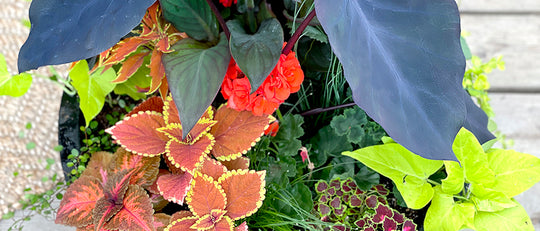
408, 170
256, 54
489, 200
193, 17
195, 72
453, 184
447, 215
139, 79
514, 172
473, 159
509, 219
465, 48
92, 89
14, 86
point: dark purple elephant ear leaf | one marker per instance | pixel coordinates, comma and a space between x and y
66, 31
404, 63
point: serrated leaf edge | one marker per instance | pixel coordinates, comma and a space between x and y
208, 179
201, 159
262, 190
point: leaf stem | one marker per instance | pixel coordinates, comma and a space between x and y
298, 32
321, 110
220, 19
432, 182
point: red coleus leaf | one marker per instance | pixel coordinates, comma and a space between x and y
243, 199
241, 227
321, 186
91, 228
205, 195
210, 220
170, 112
389, 224
398, 217
79, 201
98, 161
335, 202
157, 70
182, 224
189, 156
138, 133
151, 104
164, 88
154, 188
174, 187
145, 169
181, 214
380, 189
212, 168
381, 212
130, 66
236, 164
136, 214
409, 225
113, 196
371, 201
236, 132
225, 224
324, 210
123, 49
161, 221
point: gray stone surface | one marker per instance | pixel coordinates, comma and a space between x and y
499, 5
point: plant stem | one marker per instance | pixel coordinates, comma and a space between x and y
298, 32
432, 182
220, 19
321, 110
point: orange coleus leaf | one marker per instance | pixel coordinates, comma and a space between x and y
208, 221
130, 66
145, 169
243, 199
136, 214
154, 188
225, 224
161, 221
164, 88
90, 228
236, 132
174, 187
79, 201
236, 164
241, 227
182, 224
114, 191
205, 195
181, 214
157, 70
170, 112
189, 156
151, 104
173, 131
138, 133
99, 161
123, 49
212, 168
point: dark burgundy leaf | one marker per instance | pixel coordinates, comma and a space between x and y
321, 186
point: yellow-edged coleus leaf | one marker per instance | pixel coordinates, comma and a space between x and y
236, 132
122, 50
99, 161
225, 224
174, 187
138, 133
243, 199
136, 214
205, 195
157, 70
173, 131
212, 168
182, 224
151, 104
130, 66
189, 156
145, 168
79, 201
236, 164
209, 221
161, 221
170, 112
181, 214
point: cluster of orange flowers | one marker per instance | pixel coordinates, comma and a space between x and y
284, 79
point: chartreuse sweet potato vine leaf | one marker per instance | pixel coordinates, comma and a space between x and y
445, 214
16, 85
91, 87
409, 172
256, 54
195, 72
509, 165
67, 31
514, 218
193, 17
405, 65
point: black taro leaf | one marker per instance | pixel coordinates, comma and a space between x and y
66, 31
404, 63
193, 17
256, 54
195, 72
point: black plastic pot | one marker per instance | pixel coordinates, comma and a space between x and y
69, 121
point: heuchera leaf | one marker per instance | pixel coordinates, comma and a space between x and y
408, 171
405, 65
236, 132
136, 214
514, 218
79, 201
138, 133
195, 72
174, 187
67, 31
205, 195
446, 215
256, 54
193, 17
243, 199
92, 88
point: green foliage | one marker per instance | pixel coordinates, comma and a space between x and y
256, 54
290, 131
139, 79
475, 80
92, 88
193, 17
16, 85
476, 193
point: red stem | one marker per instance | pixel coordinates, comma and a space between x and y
298, 32
220, 19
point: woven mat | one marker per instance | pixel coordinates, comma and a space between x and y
39, 107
